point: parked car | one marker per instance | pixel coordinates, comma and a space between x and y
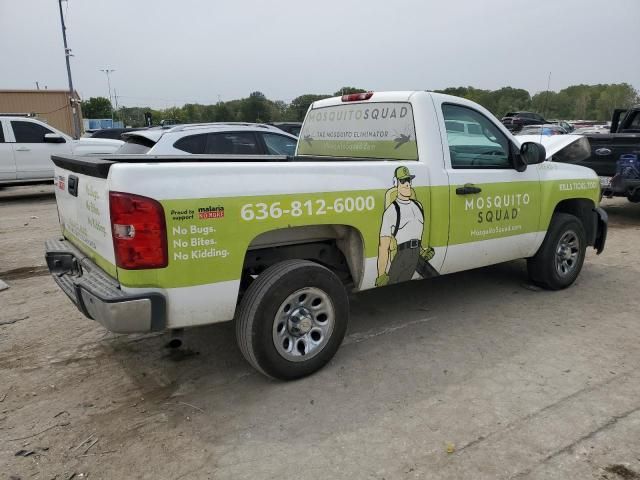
591, 130
211, 138
290, 127
26, 146
373, 198
514, 121
466, 128
610, 147
113, 133
566, 125
546, 129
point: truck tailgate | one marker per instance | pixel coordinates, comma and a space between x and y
83, 208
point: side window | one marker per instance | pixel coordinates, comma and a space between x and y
28, 132
279, 144
192, 143
489, 149
232, 143
1, 133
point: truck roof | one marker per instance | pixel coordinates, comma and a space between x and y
401, 96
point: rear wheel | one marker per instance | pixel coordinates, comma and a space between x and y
634, 197
292, 319
559, 260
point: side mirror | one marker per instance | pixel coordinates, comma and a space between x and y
532, 153
53, 138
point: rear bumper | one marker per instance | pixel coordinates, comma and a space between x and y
99, 296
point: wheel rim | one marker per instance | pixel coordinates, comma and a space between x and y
567, 253
303, 324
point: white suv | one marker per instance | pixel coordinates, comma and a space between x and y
211, 138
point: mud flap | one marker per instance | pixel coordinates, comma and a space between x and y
601, 229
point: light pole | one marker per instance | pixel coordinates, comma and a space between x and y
72, 99
108, 72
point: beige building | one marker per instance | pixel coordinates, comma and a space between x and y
51, 106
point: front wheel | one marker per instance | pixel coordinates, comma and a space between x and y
292, 319
561, 255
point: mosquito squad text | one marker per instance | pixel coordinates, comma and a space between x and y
497, 208
344, 114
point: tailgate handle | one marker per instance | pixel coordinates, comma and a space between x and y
468, 189
73, 185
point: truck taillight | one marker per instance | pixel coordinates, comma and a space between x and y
139, 231
356, 97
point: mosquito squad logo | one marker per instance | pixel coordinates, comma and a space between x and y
60, 182
209, 213
383, 130
358, 112
496, 208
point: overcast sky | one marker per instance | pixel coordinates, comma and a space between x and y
171, 52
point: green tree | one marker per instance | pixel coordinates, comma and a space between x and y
96, 107
508, 99
299, 105
255, 108
348, 90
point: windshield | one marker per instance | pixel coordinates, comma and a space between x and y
135, 144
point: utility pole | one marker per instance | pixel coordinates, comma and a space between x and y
72, 99
108, 72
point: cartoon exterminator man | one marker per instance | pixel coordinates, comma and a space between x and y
400, 252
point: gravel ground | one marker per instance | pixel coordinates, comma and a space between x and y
479, 376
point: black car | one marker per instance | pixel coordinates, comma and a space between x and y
514, 121
113, 133
290, 127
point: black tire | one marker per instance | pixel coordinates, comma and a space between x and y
634, 198
546, 267
262, 302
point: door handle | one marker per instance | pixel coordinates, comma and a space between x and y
468, 189
23, 149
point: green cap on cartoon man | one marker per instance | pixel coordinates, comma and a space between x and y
402, 173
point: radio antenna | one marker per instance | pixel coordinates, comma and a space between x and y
546, 97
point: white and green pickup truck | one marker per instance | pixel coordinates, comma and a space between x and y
384, 188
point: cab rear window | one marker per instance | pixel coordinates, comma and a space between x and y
382, 130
